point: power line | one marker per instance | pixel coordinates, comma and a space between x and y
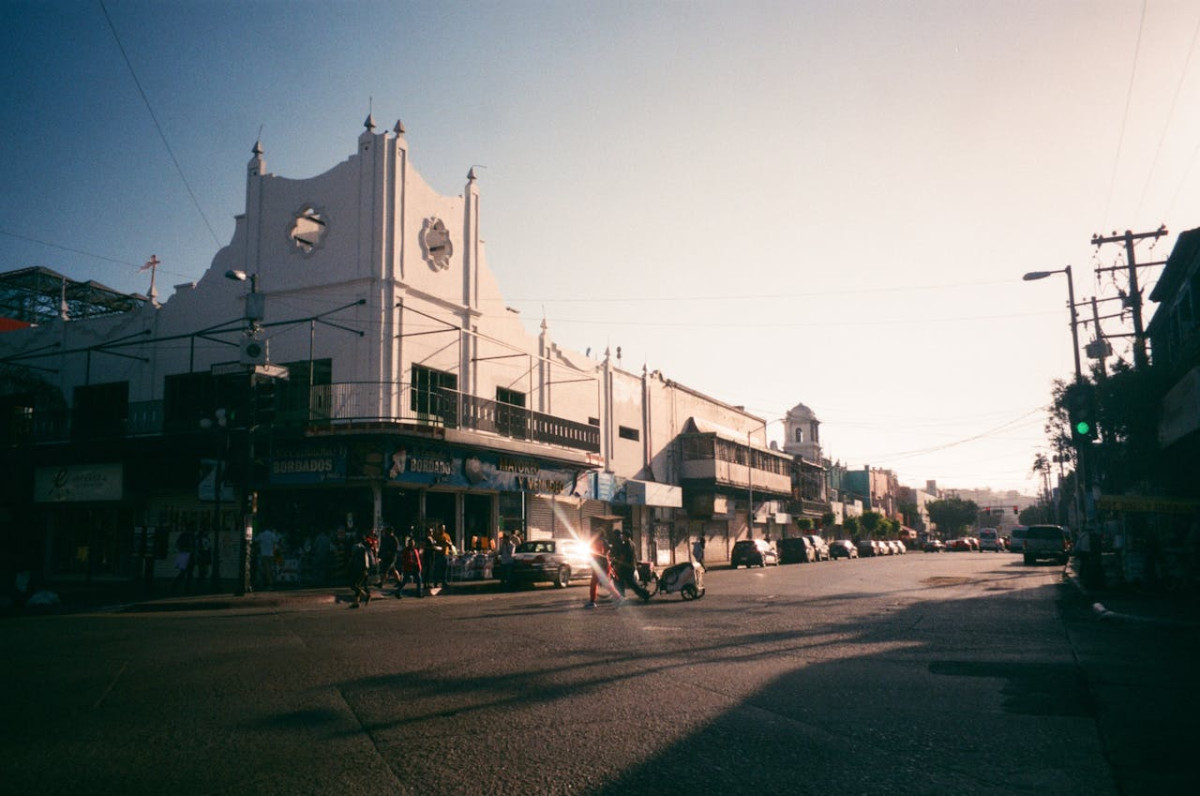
728, 297
1170, 116
162, 135
1124, 118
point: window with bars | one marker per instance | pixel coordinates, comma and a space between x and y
427, 383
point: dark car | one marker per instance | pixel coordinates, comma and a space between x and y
556, 560
842, 548
1046, 541
752, 553
795, 550
934, 546
868, 548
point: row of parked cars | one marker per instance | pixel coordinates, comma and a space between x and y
808, 549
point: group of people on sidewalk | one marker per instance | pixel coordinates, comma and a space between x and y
382, 556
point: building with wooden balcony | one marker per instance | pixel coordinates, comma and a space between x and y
346, 362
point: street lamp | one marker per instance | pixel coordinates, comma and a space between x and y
1093, 572
1033, 276
254, 314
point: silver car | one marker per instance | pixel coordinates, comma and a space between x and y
558, 561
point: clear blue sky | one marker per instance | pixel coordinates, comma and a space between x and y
775, 202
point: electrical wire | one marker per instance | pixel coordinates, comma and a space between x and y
1112, 185
161, 134
1170, 117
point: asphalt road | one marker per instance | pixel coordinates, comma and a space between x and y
954, 673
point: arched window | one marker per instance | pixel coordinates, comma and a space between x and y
799, 435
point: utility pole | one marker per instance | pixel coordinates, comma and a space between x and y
1140, 360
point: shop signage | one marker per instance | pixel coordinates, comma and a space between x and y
1180, 409
77, 483
207, 488
431, 466
308, 464
650, 493
1146, 504
604, 486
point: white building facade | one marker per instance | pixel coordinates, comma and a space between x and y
348, 362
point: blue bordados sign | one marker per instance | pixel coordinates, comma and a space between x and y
309, 464
422, 465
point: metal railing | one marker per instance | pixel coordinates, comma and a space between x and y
350, 404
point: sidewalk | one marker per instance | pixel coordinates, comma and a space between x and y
1130, 603
1137, 651
125, 596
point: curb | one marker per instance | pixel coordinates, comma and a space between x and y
1104, 614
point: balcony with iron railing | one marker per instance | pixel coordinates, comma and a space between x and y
332, 408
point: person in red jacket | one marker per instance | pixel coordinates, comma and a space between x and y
410, 568
602, 572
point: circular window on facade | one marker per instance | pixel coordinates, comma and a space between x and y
307, 229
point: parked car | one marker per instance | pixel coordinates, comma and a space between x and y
901, 547
868, 548
934, 546
842, 548
1047, 541
558, 561
960, 545
1016, 540
752, 553
819, 546
795, 550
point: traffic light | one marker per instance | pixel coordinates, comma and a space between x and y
1080, 399
264, 402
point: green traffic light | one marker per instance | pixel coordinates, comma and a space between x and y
1083, 428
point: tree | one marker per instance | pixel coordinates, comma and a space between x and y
908, 510
951, 515
1128, 454
828, 519
852, 527
805, 524
1035, 515
872, 523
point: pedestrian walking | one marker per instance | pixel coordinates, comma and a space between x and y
443, 550
624, 563
602, 574
268, 542
507, 549
358, 565
410, 568
698, 550
389, 556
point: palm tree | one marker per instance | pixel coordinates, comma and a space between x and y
1041, 468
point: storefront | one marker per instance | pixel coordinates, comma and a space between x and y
417, 485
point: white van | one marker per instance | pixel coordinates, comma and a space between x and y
989, 539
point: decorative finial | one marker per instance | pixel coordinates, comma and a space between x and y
370, 122
399, 128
